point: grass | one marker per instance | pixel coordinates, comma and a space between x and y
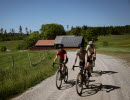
17, 79
116, 45
11, 45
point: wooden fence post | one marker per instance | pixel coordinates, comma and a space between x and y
13, 61
29, 60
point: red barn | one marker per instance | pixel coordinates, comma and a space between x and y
43, 45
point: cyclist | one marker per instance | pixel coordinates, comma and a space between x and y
63, 55
83, 56
91, 52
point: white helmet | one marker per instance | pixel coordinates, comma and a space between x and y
90, 43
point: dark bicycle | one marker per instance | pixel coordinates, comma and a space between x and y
82, 79
61, 74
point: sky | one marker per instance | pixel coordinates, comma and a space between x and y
34, 13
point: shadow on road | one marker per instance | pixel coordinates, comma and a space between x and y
108, 72
99, 73
95, 88
68, 85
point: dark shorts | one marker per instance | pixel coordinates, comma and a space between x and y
81, 63
89, 59
62, 60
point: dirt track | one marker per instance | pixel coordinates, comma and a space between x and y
115, 78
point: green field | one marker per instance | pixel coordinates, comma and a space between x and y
116, 43
18, 78
11, 45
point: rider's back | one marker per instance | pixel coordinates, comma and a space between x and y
90, 49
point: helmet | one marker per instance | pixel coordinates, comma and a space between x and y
61, 45
80, 46
90, 43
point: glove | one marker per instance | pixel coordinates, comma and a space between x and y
63, 62
73, 67
53, 64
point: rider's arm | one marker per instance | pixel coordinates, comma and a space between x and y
65, 55
95, 52
86, 58
87, 47
75, 60
55, 58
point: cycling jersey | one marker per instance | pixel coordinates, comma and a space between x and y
90, 50
81, 55
61, 54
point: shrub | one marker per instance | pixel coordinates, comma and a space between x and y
21, 46
3, 48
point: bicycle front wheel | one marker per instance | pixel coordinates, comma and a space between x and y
58, 79
66, 75
79, 84
86, 80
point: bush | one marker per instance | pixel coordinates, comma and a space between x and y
105, 44
3, 48
21, 46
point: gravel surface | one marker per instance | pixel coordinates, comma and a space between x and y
112, 72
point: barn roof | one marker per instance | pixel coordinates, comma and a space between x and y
45, 43
69, 41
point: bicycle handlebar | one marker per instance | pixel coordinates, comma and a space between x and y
76, 66
57, 63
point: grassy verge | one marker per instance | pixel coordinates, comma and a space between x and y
17, 79
115, 45
124, 56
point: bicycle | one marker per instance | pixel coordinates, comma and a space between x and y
61, 74
82, 79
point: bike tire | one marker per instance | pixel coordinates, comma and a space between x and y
86, 80
58, 79
66, 76
79, 84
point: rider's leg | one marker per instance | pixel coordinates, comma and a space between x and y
94, 58
89, 69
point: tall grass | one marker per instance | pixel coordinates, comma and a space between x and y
15, 80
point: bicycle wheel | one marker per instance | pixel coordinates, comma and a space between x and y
66, 75
86, 80
58, 79
79, 84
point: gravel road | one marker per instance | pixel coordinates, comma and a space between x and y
112, 72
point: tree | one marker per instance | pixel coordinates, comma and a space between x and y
12, 30
67, 26
26, 30
84, 27
50, 31
5, 32
76, 31
1, 30
30, 31
20, 29
32, 39
90, 35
